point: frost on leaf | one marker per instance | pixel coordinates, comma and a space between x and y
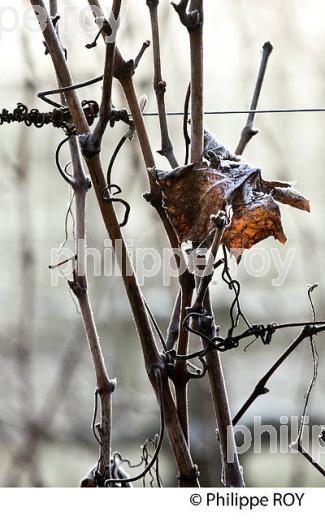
191, 194
213, 150
255, 216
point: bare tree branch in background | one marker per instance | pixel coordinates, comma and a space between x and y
28, 452
24, 349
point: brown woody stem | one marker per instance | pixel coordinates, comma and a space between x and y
260, 388
248, 131
181, 372
105, 110
193, 21
207, 275
232, 472
173, 327
79, 286
105, 386
160, 87
196, 42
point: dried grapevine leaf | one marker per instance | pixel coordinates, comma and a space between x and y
191, 194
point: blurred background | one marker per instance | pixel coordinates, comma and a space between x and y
46, 377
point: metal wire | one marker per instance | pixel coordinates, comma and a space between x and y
258, 111
60, 117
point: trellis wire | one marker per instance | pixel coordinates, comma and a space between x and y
59, 117
233, 112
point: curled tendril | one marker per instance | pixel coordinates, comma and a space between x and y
107, 196
157, 444
187, 138
64, 172
235, 310
60, 117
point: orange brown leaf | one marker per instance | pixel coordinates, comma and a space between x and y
191, 194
